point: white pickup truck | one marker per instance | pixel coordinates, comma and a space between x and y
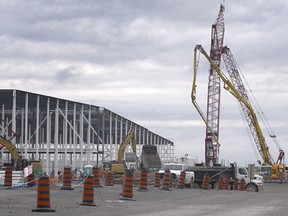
175, 170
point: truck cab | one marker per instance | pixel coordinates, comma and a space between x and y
242, 173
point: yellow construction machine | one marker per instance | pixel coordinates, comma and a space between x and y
119, 166
18, 163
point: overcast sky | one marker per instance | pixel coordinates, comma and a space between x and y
135, 58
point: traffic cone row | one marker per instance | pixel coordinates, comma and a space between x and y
43, 192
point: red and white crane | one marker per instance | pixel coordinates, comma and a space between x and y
213, 99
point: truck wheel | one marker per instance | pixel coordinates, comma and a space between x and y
196, 186
252, 188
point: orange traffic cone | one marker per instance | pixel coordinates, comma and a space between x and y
43, 195
96, 174
181, 180
143, 180
235, 184
221, 183
8, 177
67, 179
226, 184
127, 191
205, 183
88, 192
157, 180
109, 179
167, 181
242, 185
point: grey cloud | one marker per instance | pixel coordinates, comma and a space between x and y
67, 74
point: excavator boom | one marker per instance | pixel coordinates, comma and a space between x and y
130, 137
11, 148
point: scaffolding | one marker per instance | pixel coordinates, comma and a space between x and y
61, 133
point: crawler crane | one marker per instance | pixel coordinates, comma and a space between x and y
236, 88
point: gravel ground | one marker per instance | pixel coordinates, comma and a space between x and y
272, 200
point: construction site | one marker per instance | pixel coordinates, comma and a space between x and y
65, 157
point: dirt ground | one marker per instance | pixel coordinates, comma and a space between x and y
271, 200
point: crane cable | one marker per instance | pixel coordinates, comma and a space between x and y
255, 151
260, 111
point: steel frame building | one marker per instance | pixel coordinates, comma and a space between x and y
63, 133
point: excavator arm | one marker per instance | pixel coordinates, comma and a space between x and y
230, 87
11, 148
130, 137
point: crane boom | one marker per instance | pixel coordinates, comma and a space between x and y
236, 80
231, 88
213, 98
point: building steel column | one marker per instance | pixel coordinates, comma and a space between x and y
116, 137
37, 128
2, 131
74, 138
56, 140
88, 143
81, 129
139, 141
110, 137
65, 134
48, 132
103, 114
14, 114
26, 124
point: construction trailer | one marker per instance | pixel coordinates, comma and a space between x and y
61, 132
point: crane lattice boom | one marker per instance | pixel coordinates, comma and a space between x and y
213, 99
255, 130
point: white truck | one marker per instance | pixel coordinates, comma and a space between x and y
176, 169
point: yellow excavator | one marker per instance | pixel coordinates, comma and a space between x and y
16, 161
119, 166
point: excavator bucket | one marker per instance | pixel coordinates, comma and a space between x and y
150, 157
